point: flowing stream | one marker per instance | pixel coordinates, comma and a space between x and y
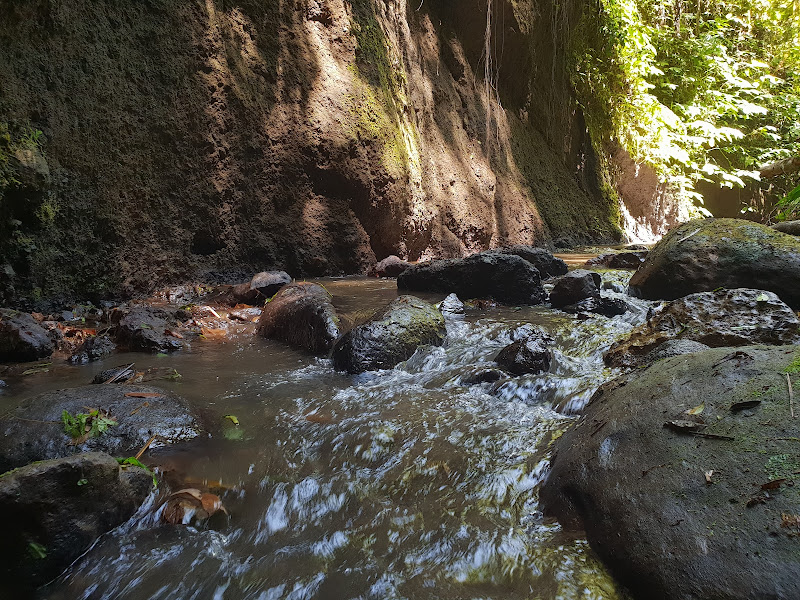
406, 483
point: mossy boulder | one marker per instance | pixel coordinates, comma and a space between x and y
35, 430
506, 278
700, 256
390, 337
54, 510
723, 318
684, 477
302, 315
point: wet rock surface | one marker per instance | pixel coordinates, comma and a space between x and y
708, 510
54, 510
619, 260
701, 256
547, 264
145, 329
451, 307
22, 339
503, 277
526, 356
302, 315
574, 287
391, 266
93, 348
601, 305
261, 287
390, 337
723, 318
35, 430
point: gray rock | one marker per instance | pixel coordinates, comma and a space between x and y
261, 287
672, 348
302, 315
677, 516
503, 277
547, 264
34, 431
575, 286
790, 227
451, 307
94, 348
700, 256
723, 318
142, 329
22, 339
390, 337
391, 266
54, 510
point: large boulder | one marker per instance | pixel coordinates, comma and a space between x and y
390, 337
503, 277
54, 510
145, 329
700, 256
35, 430
22, 339
391, 266
547, 264
684, 477
302, 315
574, 287
722, 318
261, 287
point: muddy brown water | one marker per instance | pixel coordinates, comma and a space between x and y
404, 483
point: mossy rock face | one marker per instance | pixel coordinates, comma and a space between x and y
302, 315
390, 337
677, 515
738, 317
700, 256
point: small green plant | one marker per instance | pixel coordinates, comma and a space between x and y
82, 426
132, 461
37, 551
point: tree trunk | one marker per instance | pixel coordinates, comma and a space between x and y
787, 165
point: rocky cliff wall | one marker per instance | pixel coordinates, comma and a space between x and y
184, 139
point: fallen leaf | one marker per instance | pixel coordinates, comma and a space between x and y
232, 418
683, 426
773, 485
744, 405
174, 334
190, 503
143, 395
214, 334
697, 409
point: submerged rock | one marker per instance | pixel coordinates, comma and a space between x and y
391, 266
144, 329
261, 287
675, 512
302, 315
502, 277
526, 356
22, 339
575, 286
35, 430
482, 375
54, 510
701, 256
390, 337
722, 318
547, 264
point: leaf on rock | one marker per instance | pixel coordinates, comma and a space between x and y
744, 405
143, 395
697, 409
773, 485
232, 418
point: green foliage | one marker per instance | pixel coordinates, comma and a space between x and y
698, 90
132, 461
13, 139
789, 205
82, 426
37, 551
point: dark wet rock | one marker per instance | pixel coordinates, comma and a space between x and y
451, 307
120, 374
575, 286
723, 318
672, 348
547, 264
790, 227
22, 339
482, 375
618, 260
614, 286
54, 510
246, 315
93, 348
636, 247
701, 256
35, 431
608, 307
391, 266
261, 287
142, 329
503, 277
390, 337
302, 315
526, 356
639, 489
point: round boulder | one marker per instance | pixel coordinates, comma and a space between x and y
36, 429
700, 256
302, 315
262, 286
22, 339
684, 477
503, 277
390, 337
547, 264
722, 318
391, 266
574, 287
528, 356
144, 329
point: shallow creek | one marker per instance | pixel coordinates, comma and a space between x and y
394, 484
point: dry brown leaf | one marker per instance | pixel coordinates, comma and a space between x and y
214, 334
174, 334
143, 395
773, 485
